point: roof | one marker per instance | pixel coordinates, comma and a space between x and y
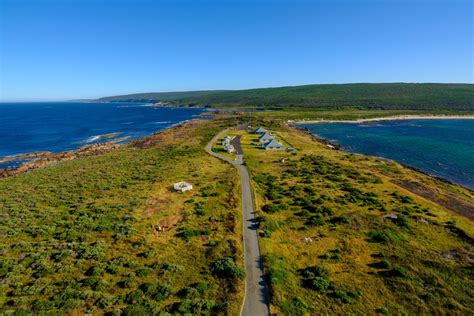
260, 130
182, 186
266, 136
273, 143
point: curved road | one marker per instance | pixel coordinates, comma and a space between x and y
256, 301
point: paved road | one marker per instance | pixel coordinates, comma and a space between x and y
237, 146
256, 300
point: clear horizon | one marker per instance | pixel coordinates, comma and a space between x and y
53, 51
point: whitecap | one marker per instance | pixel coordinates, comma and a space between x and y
163, 122
93, 139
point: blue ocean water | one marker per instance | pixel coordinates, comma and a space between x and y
60, 126
441, 147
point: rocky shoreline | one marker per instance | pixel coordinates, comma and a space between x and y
26, 156
38, 160
44, 159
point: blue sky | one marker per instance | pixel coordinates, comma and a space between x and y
56, 50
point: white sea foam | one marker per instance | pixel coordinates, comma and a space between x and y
93, 139
163, 122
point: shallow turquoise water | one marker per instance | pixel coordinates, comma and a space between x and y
444, 148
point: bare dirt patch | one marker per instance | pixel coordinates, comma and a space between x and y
445, 199
168, 223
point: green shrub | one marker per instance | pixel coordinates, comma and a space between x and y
95, 251
402, 198
399, 272
95, 283
187, 233
63, 254
382, 310
195, 290
319, 270
277, 271
274, 208
112, 268
144, 271
226, 268
136, 310
346, 296
96, 270
339, 220
265, 223
157, 292
295, 306
149, 253
402, 221
384, 264
270, 208
172, 267
134, 297
316, 220
383, 236
194, 307
127, 283
320, 284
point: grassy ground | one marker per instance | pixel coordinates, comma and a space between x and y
341, 233
339, 236
108, 234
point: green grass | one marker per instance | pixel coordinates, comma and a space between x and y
370, 263
86, 236
107, 234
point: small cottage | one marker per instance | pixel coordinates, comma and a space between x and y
266, 137
260, 130
182, 186
231, 149
273, 145
227, 145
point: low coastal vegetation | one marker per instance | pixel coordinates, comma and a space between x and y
342, 233
108, 234
384, 96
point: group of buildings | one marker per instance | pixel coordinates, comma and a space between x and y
268, 140
227, 145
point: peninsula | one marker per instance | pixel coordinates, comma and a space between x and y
338, 233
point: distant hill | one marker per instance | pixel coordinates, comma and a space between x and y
159, 96
417, 96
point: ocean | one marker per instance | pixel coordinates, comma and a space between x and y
440, 147
60, 126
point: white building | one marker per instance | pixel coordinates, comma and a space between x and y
182, 186
227, 145
230, 149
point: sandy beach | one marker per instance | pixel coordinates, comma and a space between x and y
389, 118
